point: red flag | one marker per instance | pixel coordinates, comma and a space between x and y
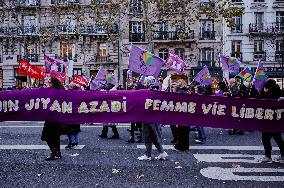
59, 76
80, 80
32, 71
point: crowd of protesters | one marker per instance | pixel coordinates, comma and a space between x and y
151, 133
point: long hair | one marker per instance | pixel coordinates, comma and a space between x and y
56, 83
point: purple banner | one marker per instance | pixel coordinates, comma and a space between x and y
142, 105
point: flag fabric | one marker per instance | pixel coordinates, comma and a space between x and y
55, 66
80, 80
32, 71
59, 76
104, 77
259, 77
246, 74
229, 64
175, 63
204, 77
140, 61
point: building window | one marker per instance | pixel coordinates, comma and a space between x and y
259, 19
136, 6
236, 49
163, 53
207, 30
238, 26
29, 24
137, 32
102, 51
259, 53
180, 52
77, 71
280, 21
66, 51
279, 52
207, 56
67, 23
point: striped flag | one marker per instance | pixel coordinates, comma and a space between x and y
246, 75
259, 77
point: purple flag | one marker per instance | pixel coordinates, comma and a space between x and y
55, 66
175, 63
105, 77
259, 77
142, 62
204, 77
230, 64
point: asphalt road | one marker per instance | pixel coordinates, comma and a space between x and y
224, 161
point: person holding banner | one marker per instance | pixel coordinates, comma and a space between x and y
52, 130
271, 90
152, 133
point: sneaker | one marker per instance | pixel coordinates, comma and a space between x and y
69, 146
199, 141
279, 159
162, 156
52, 157
144, 158
114, 137
266, 160
102, 136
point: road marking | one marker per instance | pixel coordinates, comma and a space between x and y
232, 148
32, 147
229, 158
228, 174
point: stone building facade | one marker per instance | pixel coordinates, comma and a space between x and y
258, 35
29, 27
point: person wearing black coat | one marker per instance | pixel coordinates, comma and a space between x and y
271, 90
52, 130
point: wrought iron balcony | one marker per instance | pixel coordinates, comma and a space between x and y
259, 56
29, 57
279, 56
9, 31
64, 2
137, 37
238, 55
207, 63
207, 35
28, 3
102, 59
237, 1
66, 28
237, 28
29, 30
134, 9
275, 27
205, 4
172, 35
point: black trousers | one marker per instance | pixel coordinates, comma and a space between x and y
175, 133
54, 145
135, 126
113, 127
266, 137
183, 138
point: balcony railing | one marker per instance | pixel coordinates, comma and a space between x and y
30, 57
279, 56
137, 37
9, 31
207, 63
210, 4
64, 2
66, 28
29, 30
237, 1
238, 55
237, 28
172, 35
259, 56
207, 35
102, 59
275, 27
27, 3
